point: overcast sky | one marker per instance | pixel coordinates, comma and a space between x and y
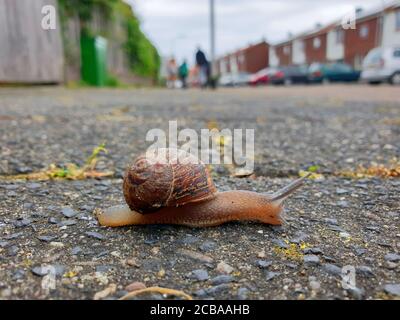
178, 26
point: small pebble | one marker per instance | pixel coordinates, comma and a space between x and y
313, 251
53, 220
393, 289
331, 221
393, 257
189, 239
199, 275
22, 223
76, 250
68, 222
242, 293
4, 244
315, 285
221, 279
280, 243
311, 259
299, 237
270, 275
47, 238
18, 274
332, 269
364, 271
57, 244
207, 246
135, 286
223, 267
263, 264
343, 204
33, 185
360, 251
341, 191
96, 235
13, 236
356, 293
68, 212
103, 268
12, 251
196, 256
218, 289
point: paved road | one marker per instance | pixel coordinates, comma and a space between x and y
333, 222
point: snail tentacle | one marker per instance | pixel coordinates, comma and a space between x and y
283, 193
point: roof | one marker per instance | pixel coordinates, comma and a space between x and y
242, 49
363, 15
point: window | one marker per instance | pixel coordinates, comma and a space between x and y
286, 50
316, 43
339, 36
364, 31
398, 19
343, 67
396, 53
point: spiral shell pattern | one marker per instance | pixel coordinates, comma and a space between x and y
166, 178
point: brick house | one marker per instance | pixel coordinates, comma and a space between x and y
315, 45
281, 54
298, 52
335, 43
391, 26
250, 59
359, 41
305, 48
256, 57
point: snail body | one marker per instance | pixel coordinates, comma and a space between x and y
184, 194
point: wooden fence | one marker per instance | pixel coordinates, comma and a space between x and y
28, 53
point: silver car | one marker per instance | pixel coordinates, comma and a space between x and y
235, 79
382, 64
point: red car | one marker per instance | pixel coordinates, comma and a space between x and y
260, 77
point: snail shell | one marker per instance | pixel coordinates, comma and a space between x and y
167, 178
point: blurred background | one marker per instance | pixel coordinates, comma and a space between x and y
200, 43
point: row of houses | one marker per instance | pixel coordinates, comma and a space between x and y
325, 43
251, 59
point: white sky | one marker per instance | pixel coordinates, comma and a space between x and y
178, 26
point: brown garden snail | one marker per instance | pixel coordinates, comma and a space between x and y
183, 193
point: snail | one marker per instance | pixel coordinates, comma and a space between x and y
183, 193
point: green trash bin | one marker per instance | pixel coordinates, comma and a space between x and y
94, 60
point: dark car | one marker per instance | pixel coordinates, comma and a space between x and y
290, 74
332, 72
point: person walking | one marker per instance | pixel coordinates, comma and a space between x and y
183, 72
203, 65
171, 73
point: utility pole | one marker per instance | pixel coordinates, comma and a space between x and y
212, 38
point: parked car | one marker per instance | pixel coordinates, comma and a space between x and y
234, 79
262, 76
289, 74
382, 64
332, 72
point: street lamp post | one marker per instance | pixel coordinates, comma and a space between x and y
212, 38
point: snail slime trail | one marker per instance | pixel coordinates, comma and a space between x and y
184, 194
